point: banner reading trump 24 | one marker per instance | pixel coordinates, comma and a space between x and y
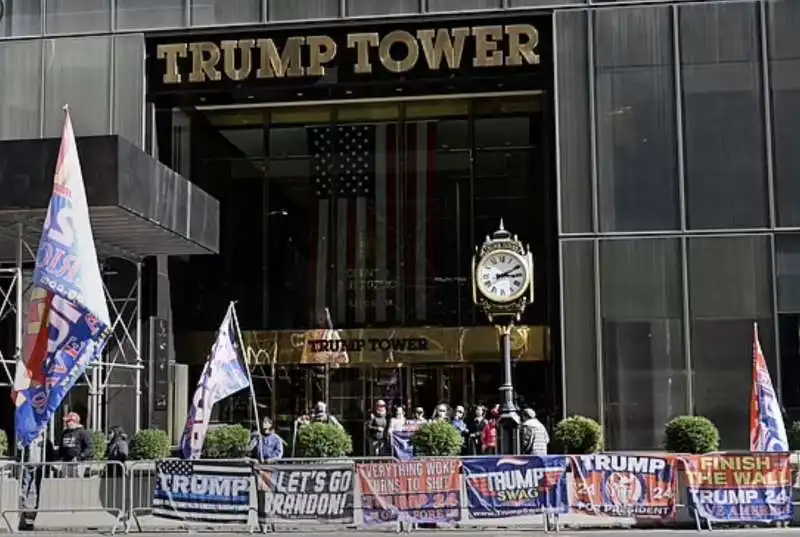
506, 487
740, 488
623, 485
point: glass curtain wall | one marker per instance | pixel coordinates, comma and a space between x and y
669, 162
369, 210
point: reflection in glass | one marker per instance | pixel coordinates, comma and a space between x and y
72, 16
303, 10
643, 364
20, 106
209, 12
729, 283
636, 120
146, 14
723, 113
784, 64
21, 18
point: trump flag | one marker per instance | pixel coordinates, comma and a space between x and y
224, 375
74, 320
767, 430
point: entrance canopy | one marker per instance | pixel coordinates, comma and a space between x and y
138, 206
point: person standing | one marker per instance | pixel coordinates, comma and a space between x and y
321, 415
76, 444
377, 429
476, 426
33, 468
267, 446
534, 436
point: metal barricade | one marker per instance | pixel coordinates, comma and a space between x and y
142, 480
41, 493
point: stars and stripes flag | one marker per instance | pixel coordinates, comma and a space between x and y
72, 316
373, 236
223, 375
203, 491
767, 430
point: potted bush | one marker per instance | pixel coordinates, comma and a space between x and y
227, 442
149, 444
691, 434
578, 435
99, 445
3, 444
437, 439
323, 441
794, 436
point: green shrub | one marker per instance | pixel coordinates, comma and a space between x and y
149, 444
794, 436
3, 443
437, 439
99, 445
227, 442
578, 435
323, 441
691, 434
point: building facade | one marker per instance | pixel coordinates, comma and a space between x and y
674, 220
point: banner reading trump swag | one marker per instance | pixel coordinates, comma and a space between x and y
203, 491
505, 487
413, 491
319, 493
623, 486
740, 488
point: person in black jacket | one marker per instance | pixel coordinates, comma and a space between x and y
76, 443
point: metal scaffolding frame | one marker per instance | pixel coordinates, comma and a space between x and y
123, 351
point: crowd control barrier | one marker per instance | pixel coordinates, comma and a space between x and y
547, 492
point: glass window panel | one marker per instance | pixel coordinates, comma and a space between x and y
357, 8
78, 73
637, 143
499, 132
784, 58
71, 16
209, 12
21, 18
572, 102
729, 289
789, 330
303, 10
20, 100
525, 3
580, 348
788, 272
643, 364
463, 5
145, 14
437, 230
723, 116
129, 83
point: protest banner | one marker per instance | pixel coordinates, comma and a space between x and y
740, 488
623, 486
320, 493
414, 491
508, 487
203, 491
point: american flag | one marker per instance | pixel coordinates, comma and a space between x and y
379, 250
203, 491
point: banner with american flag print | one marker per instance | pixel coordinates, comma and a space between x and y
767, 429
509, 487
204, 491
373, 255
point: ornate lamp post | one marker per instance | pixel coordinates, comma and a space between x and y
502, 286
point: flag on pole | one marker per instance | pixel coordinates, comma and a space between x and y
74, 320
767, 430
224, 375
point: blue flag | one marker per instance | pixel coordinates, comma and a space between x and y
74, 323
224, 375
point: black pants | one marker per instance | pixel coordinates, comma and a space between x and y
30, 491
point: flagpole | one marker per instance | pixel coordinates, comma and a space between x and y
329, 323
232, 309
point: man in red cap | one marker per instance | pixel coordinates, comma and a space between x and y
76, 442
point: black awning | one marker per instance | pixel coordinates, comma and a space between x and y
138, 206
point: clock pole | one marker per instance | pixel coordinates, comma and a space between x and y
502, 286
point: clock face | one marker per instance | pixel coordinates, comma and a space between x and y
502, 276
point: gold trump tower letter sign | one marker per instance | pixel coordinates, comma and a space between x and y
397, 52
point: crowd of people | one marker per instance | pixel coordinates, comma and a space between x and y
479, 431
